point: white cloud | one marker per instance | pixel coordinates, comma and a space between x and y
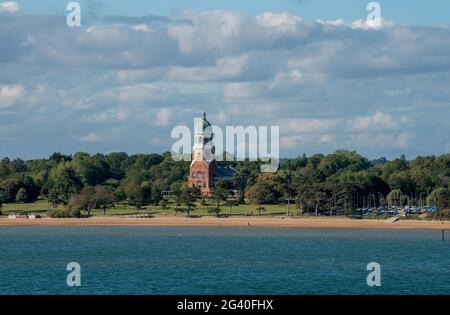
371, 24
327, 139
208, 30
379, 121
291, 142
308, 126
239, 111
331, 84
221, 117
242, 90
138, 93
156, 141
9, 6
92, 137
225, 68
10, 94
383, 141
142, 28
283, 22
163, 117
379, 131
357, 24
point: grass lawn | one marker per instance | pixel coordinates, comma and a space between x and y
37, 207
198, 210
40, 207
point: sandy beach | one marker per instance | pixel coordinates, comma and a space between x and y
310, 222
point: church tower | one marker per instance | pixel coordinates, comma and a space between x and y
203, 166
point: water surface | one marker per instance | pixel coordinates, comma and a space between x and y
211, 260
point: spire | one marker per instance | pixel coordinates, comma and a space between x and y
202, 124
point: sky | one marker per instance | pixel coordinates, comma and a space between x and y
136, 69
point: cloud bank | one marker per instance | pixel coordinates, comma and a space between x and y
122, 83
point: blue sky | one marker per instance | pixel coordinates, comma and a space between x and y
417, 12
136, 69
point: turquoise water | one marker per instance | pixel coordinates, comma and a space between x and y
175, 260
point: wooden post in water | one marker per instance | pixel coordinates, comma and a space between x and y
443, 235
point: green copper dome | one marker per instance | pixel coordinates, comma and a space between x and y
200, 127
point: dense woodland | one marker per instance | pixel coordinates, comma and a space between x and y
342, 182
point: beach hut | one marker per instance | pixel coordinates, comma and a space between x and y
13, 215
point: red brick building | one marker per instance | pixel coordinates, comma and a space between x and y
204, 170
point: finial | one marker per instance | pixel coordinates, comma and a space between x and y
204, 115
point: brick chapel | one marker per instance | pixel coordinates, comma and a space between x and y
204, 170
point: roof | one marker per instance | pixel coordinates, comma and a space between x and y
199, 128
225, 172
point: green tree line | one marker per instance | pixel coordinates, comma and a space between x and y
341, 182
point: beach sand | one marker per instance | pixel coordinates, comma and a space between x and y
238, 221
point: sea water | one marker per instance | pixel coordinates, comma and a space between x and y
212, 260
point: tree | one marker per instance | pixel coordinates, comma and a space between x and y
163, 205
59, 157
396, 198
137, 193
340, 181
402, 181
155, 194
203, 202
312, 196
187, 197
117, 162
83, 201
21, 195
346, 197
66, 184
286, 187
260, 209
103, 198
93, 170
215, 210
268, 188
440, 198
341, 160
176, 191
10, 187
219, 193
32, 190
3, 197
230, 203
239, 183
18, 166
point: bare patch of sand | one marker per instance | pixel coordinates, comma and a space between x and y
303, 222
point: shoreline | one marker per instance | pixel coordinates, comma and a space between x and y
269, 222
